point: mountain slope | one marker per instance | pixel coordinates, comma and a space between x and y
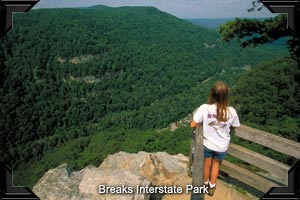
76, 72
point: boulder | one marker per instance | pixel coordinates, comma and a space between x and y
61, 184
120, 172
117, 185
58, 183
160, 168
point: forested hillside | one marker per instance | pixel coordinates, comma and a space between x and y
268, 97
67, 74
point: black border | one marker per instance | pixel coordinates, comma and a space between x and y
291, 7
7, 8
292, 191
7, 190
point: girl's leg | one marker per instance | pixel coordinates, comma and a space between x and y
214, 170
207, 167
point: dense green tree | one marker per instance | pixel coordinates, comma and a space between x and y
252, 32
268, 95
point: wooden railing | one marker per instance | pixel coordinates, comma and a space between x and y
277, 170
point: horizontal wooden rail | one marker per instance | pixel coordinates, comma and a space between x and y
247, 177
277, 169
274, 142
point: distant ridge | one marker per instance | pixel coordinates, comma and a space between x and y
97, 7
212, 23
103, 7
209, 23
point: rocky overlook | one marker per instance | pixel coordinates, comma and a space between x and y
122, 171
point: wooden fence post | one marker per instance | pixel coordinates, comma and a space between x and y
198, 161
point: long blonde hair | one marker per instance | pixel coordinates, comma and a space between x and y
219, 95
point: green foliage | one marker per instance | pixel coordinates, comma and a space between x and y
267, 98
269, 95
252, 32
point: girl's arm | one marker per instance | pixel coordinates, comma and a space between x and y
194, 124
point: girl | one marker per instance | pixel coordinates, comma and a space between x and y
218, 120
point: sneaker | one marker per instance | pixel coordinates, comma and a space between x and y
206, 185
211, 191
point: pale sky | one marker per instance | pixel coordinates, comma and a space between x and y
186, 9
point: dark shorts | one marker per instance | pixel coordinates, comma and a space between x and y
214, 154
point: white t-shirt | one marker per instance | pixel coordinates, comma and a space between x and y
216, 135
